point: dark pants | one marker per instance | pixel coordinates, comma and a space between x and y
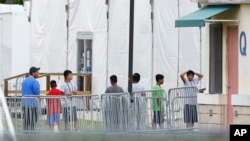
30, 116
158, 117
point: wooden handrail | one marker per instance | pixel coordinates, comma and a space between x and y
48, 78
18, 92
13, 77
45, 74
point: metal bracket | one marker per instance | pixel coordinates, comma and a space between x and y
66, 8
210, 112
236, 113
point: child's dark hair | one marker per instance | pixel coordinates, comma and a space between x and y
53, 84
136, 77
190, 72
113, 78
66, 73
159, 77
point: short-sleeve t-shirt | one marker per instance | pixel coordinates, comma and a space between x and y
159, 94
191, 83
67, 88
137, 88
192, 100
54, 104
114, 89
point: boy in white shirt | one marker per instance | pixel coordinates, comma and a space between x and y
190, 109
68, 89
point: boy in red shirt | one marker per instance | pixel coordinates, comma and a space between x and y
54, 105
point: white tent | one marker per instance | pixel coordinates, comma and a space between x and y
14, 41
159, 47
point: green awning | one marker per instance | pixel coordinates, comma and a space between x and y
197, 18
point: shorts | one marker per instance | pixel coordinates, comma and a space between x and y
190, 113
158, 117
53, 118
69, 114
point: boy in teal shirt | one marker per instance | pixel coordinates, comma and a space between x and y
158, 101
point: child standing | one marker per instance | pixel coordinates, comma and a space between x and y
69, 89
158, 101
190, 107
54, 105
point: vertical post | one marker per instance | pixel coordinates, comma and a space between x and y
178, 59
6, 88
107, 62
88, 82
200, 54
152, 48
47, 82
67, 26
131, 44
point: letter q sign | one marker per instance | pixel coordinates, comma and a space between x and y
243, 44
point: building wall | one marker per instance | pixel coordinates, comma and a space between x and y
232, 14
237, 13
239, 102
212, 112
244, 67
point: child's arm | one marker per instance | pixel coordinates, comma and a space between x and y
60, 106
182, 75
199, 75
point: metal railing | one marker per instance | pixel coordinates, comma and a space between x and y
116, 112
144, 111
183, 107
149, 110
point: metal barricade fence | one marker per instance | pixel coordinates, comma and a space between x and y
182, 109
146, 112
42, 113
45, 113
87, 113
78, 113
115, 112
24, 113
50, 116
151, 110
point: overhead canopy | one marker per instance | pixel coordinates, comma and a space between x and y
198, 17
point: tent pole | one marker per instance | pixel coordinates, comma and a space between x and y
178, 57
131, 44
200, 53
107, 62
67, 25
152, 59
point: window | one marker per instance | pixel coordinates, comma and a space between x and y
215, 58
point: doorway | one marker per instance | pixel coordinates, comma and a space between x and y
232, 68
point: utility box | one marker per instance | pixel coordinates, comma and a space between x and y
14, 42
